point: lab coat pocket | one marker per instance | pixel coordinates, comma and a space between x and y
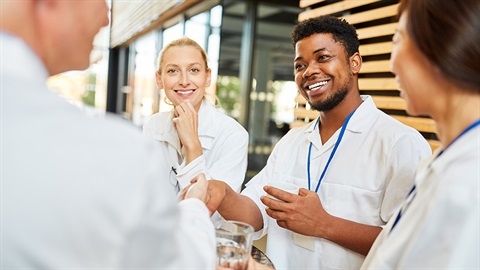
353, 203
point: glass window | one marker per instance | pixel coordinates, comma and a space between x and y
145, 92
272, 98
172, 33
197, 28
228, 83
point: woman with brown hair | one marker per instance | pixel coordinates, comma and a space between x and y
436, 60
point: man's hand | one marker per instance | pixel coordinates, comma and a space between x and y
302, 213
217, 191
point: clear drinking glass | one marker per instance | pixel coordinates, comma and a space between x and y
234, 244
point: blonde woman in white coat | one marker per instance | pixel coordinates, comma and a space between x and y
198, 136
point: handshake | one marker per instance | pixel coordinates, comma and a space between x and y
197, 189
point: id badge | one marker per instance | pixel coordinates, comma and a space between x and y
307, 242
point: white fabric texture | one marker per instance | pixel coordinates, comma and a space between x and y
440, 229
85, 193
366, 181
224, 145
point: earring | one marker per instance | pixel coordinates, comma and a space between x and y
167, 101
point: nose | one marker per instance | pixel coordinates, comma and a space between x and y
309, 71
184, 80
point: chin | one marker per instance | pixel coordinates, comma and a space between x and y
411, 111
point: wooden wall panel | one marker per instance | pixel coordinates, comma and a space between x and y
375, 22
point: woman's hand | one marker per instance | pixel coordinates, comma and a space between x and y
185, 122
197, 188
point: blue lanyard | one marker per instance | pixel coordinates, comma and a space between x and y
472, 126
405, 207
337, 143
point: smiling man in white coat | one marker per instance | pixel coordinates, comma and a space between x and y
81, 193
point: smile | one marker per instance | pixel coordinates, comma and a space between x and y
186, 92
316, 86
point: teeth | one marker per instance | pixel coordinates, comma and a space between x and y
317, 85
184, 92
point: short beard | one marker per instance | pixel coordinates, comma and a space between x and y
330, 102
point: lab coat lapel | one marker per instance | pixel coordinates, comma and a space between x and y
168, 135
314, 137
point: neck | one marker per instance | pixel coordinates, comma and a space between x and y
197, 107
30, 30
461, 110
332, 120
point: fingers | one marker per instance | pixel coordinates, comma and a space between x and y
276, 213
216, 194
184, 108
183, 192
280, 194
273, 204
304, 192
282, 224
198, 188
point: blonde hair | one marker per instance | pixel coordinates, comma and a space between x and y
184, 41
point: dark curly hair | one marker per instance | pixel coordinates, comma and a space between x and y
340, 29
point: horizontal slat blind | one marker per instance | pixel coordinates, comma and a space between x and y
375, 23
334, 8
132, 18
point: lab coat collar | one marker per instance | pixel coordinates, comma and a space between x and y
460, 148
364, 117
168, 133
18, 58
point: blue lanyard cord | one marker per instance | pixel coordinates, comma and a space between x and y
472, 126
337, 143
405, 207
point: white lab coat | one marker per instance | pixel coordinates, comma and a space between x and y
367, 179
224, 144
79, 193
440, 229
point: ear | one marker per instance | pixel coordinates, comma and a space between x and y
158, 78
355, 63
209, 77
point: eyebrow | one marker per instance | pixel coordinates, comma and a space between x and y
176, 65
314, 52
